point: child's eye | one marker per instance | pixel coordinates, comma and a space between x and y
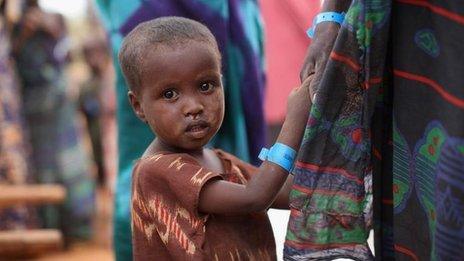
170, 94
206, 87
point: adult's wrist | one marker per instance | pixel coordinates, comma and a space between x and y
335, 6
328, 30
328, 19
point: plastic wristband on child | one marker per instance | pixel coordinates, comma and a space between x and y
279, 154
325, 17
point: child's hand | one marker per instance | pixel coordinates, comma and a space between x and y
299, 101
298, 106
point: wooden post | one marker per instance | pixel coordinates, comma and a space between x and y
29, 243
11, 195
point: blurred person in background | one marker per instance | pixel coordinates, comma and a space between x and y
237, 26
14, 160
96, 56
41, 53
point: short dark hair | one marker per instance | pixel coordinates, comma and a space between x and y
164, 31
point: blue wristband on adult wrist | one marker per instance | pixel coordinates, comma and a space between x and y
325, 17
279, 154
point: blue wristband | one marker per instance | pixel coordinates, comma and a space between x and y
279, 154
325, 17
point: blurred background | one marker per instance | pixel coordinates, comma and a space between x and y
58, 129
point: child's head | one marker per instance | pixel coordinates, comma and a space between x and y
173, 68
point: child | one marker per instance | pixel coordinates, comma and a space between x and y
190, 202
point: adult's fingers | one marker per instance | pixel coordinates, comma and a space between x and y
309, 65
316, 80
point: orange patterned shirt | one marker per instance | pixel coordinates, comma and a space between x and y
166, 224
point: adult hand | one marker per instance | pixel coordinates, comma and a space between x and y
318, 53
319, 50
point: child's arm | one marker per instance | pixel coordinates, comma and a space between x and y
282, 200
222, 197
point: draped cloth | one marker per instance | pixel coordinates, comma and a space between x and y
14, 161
385, 135
428, 129
331, 197
237, 27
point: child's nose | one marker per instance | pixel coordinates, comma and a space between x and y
193, 108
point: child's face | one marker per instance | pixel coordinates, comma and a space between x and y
181, 96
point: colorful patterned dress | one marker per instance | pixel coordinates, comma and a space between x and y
14, 164
238, 30
428, 129
387, 125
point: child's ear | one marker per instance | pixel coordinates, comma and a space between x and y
134, 101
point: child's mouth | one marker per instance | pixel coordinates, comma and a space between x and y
197, 130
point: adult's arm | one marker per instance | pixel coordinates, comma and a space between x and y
321, 45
